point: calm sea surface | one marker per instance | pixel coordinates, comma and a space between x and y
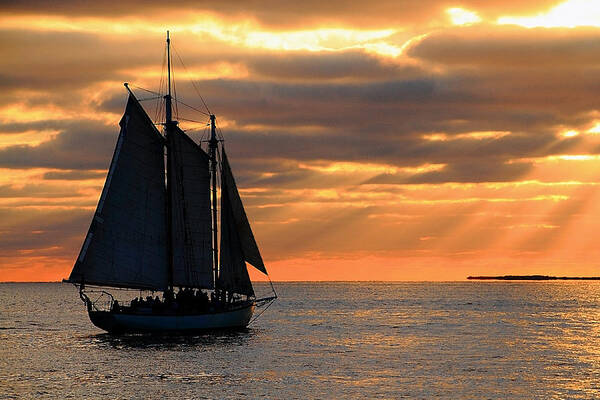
320, 340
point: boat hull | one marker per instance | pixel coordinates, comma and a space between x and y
152, 323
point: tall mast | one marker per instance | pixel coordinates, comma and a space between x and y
168, 96
213, 166
169, 124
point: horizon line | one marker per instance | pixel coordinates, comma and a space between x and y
345, 281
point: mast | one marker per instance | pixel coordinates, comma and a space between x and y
213, 166
168, 96
169, 124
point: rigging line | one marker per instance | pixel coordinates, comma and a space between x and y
204, 134
261, 313
220, 132
174, 91
145, 90
150, 98
192, 120
193, 108
192, 80
159, 107
272, 287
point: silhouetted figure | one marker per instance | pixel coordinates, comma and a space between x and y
168, 296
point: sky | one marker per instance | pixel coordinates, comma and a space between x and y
380, 140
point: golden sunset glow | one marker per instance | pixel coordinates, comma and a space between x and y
460, 16
570, 14
315, 40
370, 141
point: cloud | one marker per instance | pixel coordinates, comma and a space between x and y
80, 145
283, 15
339, 90
73, 175
63, 60
399, 151
38, 190
350, 65
510, 47
465, 172
24, 231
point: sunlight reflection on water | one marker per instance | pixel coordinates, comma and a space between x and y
320, 340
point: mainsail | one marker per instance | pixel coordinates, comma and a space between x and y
189, 178
238, 245
125, 244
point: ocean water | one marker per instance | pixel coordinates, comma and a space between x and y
461, 340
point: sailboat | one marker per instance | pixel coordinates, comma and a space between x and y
156, 228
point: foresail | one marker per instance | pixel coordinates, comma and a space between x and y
233, 274
248, 244
189, 176
125, 245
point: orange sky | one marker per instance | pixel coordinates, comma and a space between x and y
394, 140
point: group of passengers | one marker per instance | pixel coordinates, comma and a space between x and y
185, 301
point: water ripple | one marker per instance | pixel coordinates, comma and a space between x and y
324, 340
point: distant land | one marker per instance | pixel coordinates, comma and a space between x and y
536, 278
